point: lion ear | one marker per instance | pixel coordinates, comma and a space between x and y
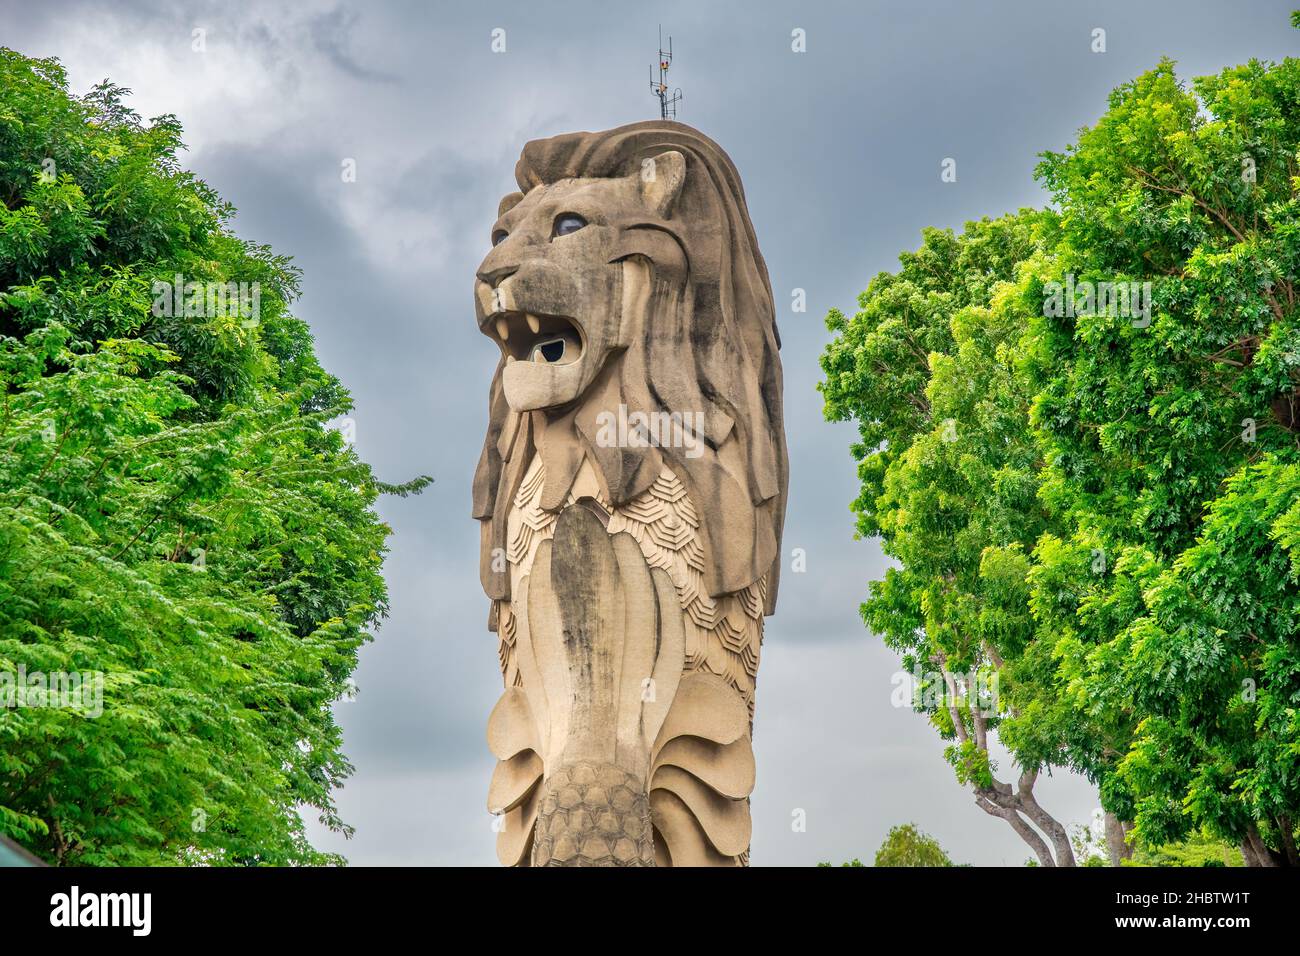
508, 202
661, 179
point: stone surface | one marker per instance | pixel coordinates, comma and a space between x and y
631, 494
574, 837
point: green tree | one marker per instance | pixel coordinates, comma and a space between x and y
906, 845
1198, 849
929, 369
1171, 442
1082, 447
177, 521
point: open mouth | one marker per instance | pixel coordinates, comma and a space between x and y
543, 339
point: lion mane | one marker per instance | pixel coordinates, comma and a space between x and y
709, 344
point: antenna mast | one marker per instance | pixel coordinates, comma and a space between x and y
667, 103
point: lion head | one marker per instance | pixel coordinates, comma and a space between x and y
625, 277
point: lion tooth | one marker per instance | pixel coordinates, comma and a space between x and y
534, 322
509, 358
503, 329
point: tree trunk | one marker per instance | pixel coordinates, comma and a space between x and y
1288, 840
1000, 800
1248, 853
1262, 854
1044, 820
1117, 848
1019, 808
1017, 823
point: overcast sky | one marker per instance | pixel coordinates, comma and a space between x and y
839, 148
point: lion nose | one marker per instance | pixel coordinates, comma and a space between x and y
494, 277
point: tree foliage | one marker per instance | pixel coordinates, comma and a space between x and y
175, 514
906, 845
1172, 449
1101, 504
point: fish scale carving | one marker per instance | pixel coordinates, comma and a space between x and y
724, 637
604, 803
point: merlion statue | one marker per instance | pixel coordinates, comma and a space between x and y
631, 494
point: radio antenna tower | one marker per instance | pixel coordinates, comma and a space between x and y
667, 103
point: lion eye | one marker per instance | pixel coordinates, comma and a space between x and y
568, 222
499, 237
